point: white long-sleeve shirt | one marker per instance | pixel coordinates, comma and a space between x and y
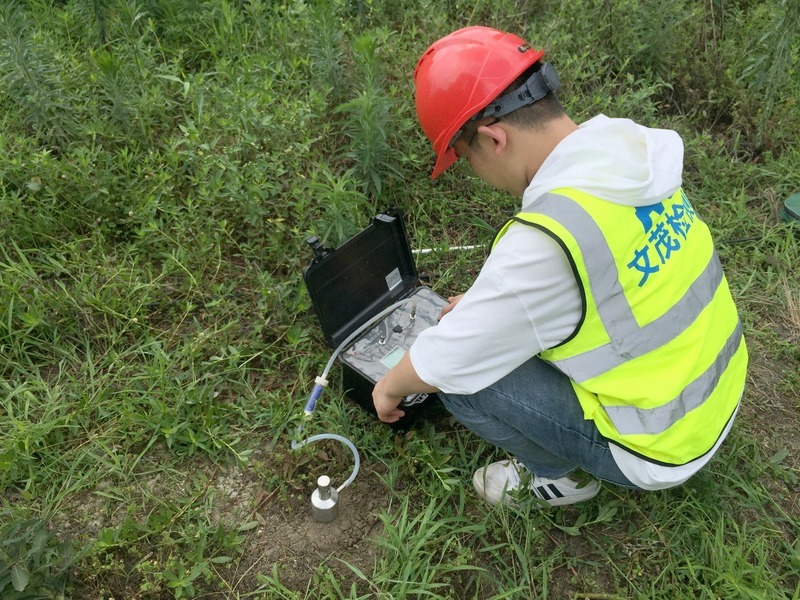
526, 299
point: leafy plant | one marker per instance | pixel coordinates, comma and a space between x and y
367, 120
33, 562
327, 51
342, 207
774, 71
29, 73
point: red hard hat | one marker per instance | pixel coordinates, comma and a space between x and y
461, 74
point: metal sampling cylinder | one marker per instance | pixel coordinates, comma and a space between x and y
325, 501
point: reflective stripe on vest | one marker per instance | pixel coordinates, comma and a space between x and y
629, 340
632, 420
616, 314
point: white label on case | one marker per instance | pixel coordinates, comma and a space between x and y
394, 279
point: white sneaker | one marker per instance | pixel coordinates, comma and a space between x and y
500, 480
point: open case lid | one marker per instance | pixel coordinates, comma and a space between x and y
361, 277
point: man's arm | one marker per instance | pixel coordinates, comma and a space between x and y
399, 382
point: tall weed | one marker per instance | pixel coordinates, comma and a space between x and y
327, 49
30, 74
772, 71
367, 119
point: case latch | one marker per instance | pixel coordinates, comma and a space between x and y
320, 251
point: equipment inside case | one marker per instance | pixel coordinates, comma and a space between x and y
356, 281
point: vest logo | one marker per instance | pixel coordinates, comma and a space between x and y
643, 214
664, 235
524, 48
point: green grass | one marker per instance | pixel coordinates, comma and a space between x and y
161, 162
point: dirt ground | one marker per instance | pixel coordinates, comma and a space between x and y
291, 540
280, 532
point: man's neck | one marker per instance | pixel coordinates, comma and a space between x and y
540, 143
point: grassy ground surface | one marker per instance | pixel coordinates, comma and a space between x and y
161, 162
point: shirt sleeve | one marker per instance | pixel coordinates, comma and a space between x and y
525, 299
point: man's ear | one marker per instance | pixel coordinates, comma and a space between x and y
497, 134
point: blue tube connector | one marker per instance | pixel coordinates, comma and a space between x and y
320, 384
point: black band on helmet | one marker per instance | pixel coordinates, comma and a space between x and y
538, 85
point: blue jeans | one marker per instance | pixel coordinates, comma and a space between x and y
534, 414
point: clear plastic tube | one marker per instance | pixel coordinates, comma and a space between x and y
338, 438
319, 386
358, 331
322, 380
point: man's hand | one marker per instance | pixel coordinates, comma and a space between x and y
453, 300
400, 381
386, 405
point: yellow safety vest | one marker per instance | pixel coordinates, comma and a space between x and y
658, 360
